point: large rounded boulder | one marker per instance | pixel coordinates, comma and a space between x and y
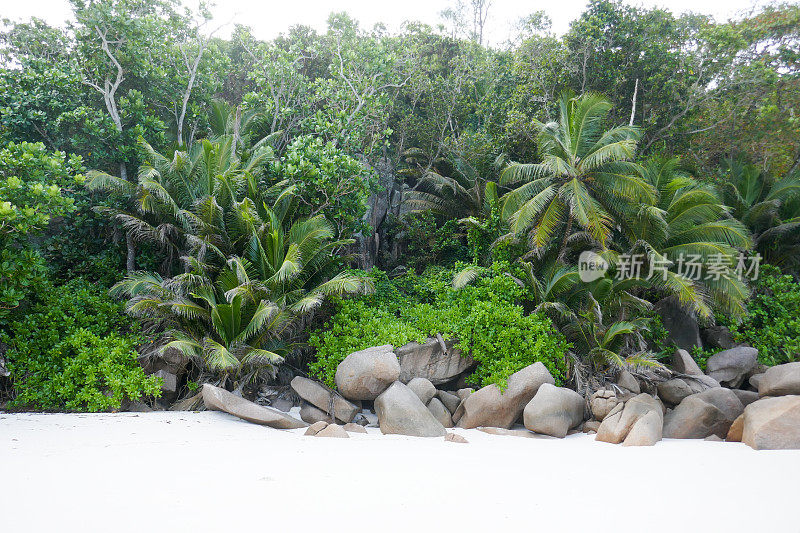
363, 375
637, 422
781, 380
701, 415
436, 360
401, 412
772, 424
554, 411
731, 367
491, 406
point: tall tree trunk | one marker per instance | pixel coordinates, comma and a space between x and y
130, 261
563, 246
633, 102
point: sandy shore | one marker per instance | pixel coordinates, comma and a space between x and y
209, 471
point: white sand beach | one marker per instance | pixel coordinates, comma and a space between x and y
206, 471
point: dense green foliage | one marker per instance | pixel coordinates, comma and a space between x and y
235, 182
76, 350
327, 181
30, 197
484, 320
772, 324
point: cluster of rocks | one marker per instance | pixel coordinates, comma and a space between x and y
410, 391
733, 395
324, 429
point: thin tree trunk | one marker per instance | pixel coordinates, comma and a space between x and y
566, 236
130, 262
633, 106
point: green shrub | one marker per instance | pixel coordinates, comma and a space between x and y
483, 318
75, 350
30, 197
772, 324
356, 326
328, 181
83, 372
701, 356
503, 340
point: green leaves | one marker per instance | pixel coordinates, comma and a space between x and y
482, 319
74, 351
587, 172
772, 324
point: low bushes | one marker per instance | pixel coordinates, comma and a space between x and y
75, 350
483, 318
772, 323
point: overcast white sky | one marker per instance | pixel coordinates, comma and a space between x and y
268, 18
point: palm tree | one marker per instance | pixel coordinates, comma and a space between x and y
586, 177
603, 320
455, 190
180, 202
296, 260
769, 207
227, 325
230, 323
247, 127
687, 221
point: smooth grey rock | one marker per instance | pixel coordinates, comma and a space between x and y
507, 432
640, 419
684, 363
735, 431
333, 431
455, 437
700, 383
680, 325
428, 361
674, 391
363, 375
591, 426
450, 401
440, 412
710, 412
730, 367
169, 385
320, 397
772, 423
755, 380
315, 428
218, 399
282, 404
350, 427
423, 388
400, 411
312, 415
490, 406
602, 402
463, 393
554, 411
745, 396
717, 337
780, 380
647, 431
627, 381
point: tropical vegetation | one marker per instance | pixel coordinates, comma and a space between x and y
235, 211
